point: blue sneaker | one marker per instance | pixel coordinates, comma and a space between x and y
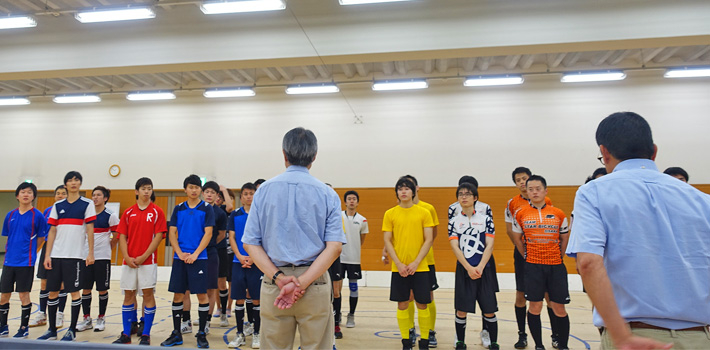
175, 338
4, 332
48, 335
23, 332
69, 335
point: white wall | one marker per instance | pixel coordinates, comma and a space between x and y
437, 134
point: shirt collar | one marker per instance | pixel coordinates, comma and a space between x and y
297, 168
637, 163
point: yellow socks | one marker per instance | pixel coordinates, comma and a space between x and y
404, 321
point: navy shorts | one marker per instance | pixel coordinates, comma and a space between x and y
16, 279
482, 290
243, 279
212, 268
192, 277
335, 271
550, 279
352, 271
432, 278
519, 266
99, 272
225, 263
67, 271
418, 283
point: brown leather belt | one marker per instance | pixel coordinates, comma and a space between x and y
650, 326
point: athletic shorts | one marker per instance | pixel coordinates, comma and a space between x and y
432, 278
67, 271
230, 257
546, 278
212, 268
335, 271
143, 277
244, 279
519, 266
99, 272
352, 271
482, 290
400, 287
192, 277
224, 263
16, 279
41, 271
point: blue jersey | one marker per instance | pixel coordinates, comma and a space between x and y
191, 223
22, 231
220, 224
225, 242
237, 222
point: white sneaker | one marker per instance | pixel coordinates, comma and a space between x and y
237, 342
217, 313
248, 328
485, 338
60, 319
84, 324
351, 321
256, 342
196, 322
39, 320
100, 324
223, 321
185, 327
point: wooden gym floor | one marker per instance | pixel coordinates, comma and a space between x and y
376, 324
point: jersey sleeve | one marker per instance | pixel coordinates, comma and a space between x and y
160, 223
428, 220
564, 226
452, 210
434, 217
589, 234
334, 231
230, 221
364, 229
53, 218
508, 215
174, 217
387, 222
113, 222
123, 223
517, 228
5, 226
452, 228
90, 214
221, 220
210, 217
41, 225
490, 227
253, 234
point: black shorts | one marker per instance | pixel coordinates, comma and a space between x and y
432, 278
224, 263
16, 279
246, 279
67, 271
552, 279
41, 271
230, 258
519, 266
335, 271
352, 271
192, 277
482, 290
99, 272
212, 268
400, 287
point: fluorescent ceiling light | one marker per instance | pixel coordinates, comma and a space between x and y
229, 92
687, 72
76, 98
14, 101
493, 80
388, 85
17, 22
580, 77
123, 14
150, 95
327, 88
360, 2
217, 7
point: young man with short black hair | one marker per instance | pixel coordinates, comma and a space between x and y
72, 223
140, 231
25, 229
246, 276
100, 272
190, 232
471, 234
60, 192
408, 236
210, 193
546, 233
356, 228
677, 172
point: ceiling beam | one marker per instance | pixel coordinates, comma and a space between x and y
647, 55
527, 61
67, 84
310, 71
285, 73
234, 76
571, 59
29, 4
362, 70
484, 63
127, 80
142, 80
442, 65
348, 70
401, 67
323, 71
428, 66
210, 77
9, 86
554, 60
469, 64
163, 79
666, 54
600, 58
388, 67
697, 53
271, 73
618, 56
511, 61
246, 75
198, 77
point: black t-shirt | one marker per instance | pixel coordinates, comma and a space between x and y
220, 224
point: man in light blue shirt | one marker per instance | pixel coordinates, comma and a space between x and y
293, 233
642, 243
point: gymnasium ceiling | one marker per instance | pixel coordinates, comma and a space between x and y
321, 41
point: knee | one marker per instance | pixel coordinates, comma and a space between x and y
353, 289
559, 309
460, 314
535, 307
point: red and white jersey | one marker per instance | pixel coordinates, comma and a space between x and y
70, 220
106, 222
140, 227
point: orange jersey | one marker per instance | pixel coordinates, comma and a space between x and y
515, 203
541, 229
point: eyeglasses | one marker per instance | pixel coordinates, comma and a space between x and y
464, 195
600, 157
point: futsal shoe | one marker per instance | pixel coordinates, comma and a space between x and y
351, 321
256, 341
238, 341
4, 331
175, 338
85, 324
100, 324
23, 332
202, 342
145, 340
48, 335
522, 341
39, 320
69, 335
123, 339
406, 344
185, 327
338, 333
432, 339
485, 338
460, 345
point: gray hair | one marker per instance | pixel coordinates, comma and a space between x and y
300, 146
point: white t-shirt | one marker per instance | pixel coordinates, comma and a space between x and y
70, 220
353, 226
